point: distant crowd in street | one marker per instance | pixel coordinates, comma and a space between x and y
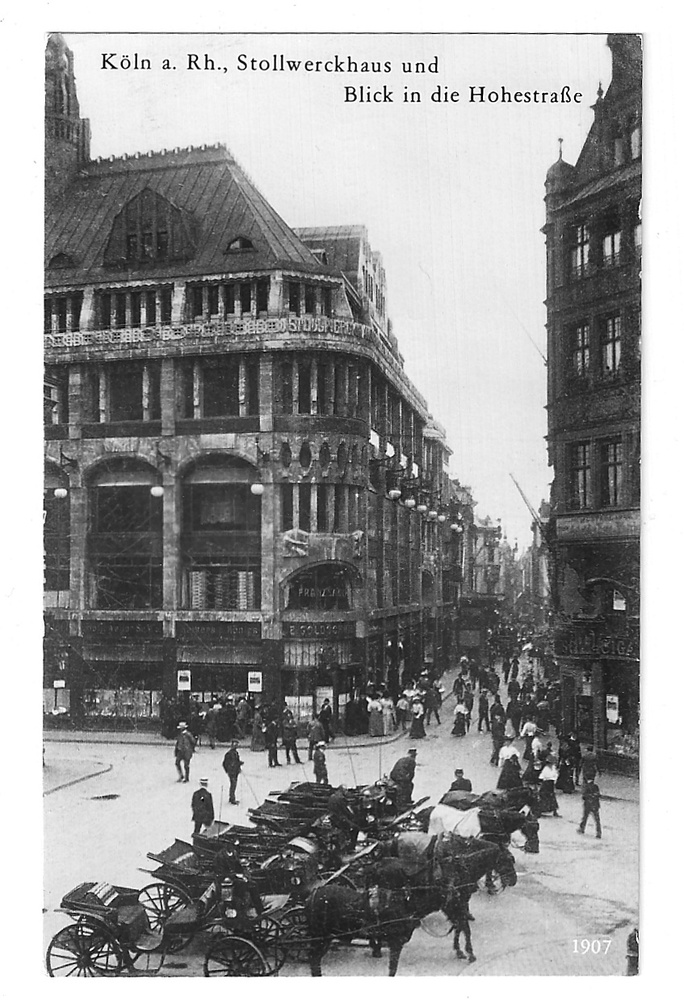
532, 709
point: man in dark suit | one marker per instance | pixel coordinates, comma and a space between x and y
232, 765
202, 806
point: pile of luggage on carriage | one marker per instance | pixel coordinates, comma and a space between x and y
317, 864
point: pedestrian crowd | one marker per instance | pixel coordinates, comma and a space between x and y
532, 708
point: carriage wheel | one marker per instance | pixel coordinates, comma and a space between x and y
235, 956
270, 938
84, 949
160, 900
296, 933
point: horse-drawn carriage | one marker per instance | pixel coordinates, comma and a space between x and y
253, 897
117, 929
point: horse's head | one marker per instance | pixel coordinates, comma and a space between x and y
505, 866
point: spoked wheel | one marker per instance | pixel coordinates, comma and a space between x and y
84, 949
269, 937
162, 901
235, 956
296, 933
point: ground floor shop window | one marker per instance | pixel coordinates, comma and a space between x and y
621, 686
123, 691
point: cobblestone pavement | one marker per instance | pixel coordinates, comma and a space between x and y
107, 804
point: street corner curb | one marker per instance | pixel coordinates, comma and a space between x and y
83, 777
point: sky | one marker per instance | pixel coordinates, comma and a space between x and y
451, 192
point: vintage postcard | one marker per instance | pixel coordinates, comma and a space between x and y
341, 518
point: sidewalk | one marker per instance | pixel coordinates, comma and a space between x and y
340, 742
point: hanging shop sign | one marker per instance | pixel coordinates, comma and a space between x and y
255, 681
184, 682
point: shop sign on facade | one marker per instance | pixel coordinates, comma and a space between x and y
255, 681
585, 641
319, 630
184, 680
60, 683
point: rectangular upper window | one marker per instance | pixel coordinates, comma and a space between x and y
310, 299
579, 494
579, 253
293, 297
611, 479
611, 248
580, 349
611, 344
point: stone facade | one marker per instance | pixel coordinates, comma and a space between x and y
593, 240
231, 445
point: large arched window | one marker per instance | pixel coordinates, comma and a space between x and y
124, 550
221, 536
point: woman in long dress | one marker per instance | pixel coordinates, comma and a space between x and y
460, 716
417, 727
564, 782
547, 794
258, 741
389, 722
375, 727
510, 774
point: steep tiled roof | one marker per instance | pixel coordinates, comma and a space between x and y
205, 183
342, 244
600, 184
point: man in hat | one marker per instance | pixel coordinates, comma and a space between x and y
202, 807
402, 775
183, 751
290, 737
319, 763
232, 765
460, 784
271, 740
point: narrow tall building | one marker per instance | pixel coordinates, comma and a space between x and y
593, 240
245, 493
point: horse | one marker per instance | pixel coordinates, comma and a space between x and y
495, 825
458, 863
417, 875
338, 912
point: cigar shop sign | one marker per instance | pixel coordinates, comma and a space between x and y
585, 641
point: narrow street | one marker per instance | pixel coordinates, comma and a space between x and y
108, 804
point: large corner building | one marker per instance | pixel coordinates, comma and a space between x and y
593, 238
244, 491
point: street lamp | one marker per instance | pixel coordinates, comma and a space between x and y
60, 493
256, 489
157, 491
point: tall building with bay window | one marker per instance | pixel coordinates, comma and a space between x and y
593, 240
244, 491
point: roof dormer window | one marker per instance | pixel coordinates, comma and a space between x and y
240, 243
150, 229
62, 260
